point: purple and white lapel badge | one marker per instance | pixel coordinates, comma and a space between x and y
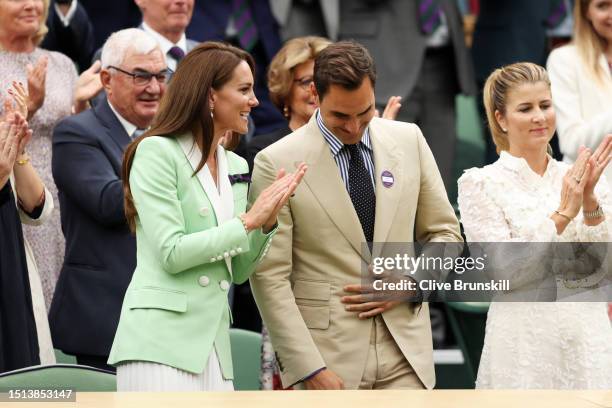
387, 178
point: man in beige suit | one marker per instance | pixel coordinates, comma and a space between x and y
369, 180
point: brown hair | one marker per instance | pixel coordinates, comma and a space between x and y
345, 63
184, 107
496, 89
280, 74
589, 44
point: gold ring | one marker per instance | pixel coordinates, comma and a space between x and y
577, 179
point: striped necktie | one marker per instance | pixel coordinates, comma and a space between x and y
558, 13
430, 15
244, 23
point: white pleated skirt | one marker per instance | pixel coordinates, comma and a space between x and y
145, 376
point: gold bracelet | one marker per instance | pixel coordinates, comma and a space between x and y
23, 161
563, 215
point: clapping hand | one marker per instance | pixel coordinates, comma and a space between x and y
87, 87
391, 109
9, 148
264, 211
574, 182
37, 78
598, 162
18, 101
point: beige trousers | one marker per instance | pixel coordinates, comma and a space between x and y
386, 367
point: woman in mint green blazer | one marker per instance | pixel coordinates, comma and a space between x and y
185, 197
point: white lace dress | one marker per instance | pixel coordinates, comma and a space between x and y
562, 345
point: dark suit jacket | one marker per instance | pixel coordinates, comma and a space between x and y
100, 250
109, 16
76, 41
509, 31
390, 30
209, 22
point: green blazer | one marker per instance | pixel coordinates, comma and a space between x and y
176, 306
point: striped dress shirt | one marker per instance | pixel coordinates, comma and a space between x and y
343, 157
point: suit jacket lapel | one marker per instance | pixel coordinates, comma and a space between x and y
386, 159
323, 179
115, 130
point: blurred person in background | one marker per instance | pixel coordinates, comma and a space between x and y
581, 78
54, 90
70, 32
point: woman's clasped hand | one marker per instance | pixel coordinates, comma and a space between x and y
580, 180
265, 209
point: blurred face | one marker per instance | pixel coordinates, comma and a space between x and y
529, 118
302, 103
599, 13
232, 103
20, 17
166, 15
347, 113
136, 103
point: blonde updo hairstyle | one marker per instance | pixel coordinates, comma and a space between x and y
496, 90
280, 74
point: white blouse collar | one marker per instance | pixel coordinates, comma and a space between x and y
519, 166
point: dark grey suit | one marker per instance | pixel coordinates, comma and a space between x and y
427, 80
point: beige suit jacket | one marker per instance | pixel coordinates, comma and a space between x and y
317, 250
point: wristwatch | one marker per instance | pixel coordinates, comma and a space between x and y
593, 214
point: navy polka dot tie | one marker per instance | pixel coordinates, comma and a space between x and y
361, 191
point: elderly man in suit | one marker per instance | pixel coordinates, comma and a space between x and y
369, 179
426, 62
87, 157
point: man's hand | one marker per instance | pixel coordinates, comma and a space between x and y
324, 380
364, 303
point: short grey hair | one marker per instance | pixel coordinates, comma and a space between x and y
120, 43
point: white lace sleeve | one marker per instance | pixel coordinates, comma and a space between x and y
484, 221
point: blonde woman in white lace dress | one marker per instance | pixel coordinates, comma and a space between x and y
527, 196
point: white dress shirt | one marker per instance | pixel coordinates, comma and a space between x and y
166, 44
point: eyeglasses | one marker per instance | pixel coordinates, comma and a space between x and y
143, 78
304, 82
